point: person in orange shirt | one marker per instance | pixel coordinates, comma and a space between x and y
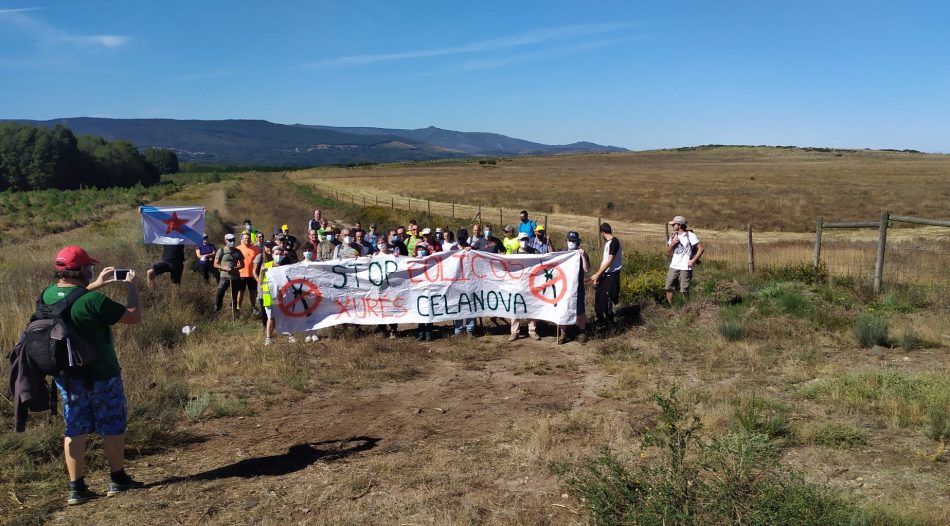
247, 281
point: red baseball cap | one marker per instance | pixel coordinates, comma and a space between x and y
74, 258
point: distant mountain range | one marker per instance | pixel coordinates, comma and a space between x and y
257, 142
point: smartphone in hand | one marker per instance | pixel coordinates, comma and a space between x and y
121, 274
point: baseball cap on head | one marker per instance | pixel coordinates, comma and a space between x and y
229, 237
678, 220
522, 235
539, 228
284, 228
74, 258
426, 231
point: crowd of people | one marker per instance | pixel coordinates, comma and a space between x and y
240, 265
94, 400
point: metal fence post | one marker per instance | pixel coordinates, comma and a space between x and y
818, 227
881, 242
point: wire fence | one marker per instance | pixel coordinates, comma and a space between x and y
914, 256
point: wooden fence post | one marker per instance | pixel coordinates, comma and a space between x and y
666, 227
364, 200
392, 201
501, 219
429, 206
376, 197
453, 210
881, 242
546, 229
479, 214
751, 252
597, 232
410, 203
818, 227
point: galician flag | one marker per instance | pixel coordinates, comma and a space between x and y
173, 225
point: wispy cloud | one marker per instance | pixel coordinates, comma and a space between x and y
45, 32
536, 37
543, 54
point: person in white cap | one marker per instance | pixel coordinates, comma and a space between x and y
229, 261
684, 250
523, 248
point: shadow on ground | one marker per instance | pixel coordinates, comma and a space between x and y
296, 458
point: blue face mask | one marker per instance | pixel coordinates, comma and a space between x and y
423, 253
396, 239
308, 254
331, 237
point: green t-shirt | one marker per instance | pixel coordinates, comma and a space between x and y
229, 257
93, 314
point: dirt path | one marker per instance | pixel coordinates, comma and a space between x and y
257, 469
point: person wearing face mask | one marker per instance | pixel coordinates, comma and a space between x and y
574, 243
93, 396
347, 249
249, 229
426, 246
468, 323
372, 237
540, 242
397, 246
327, 247
229, 261
488, 243
523, 248
279, 255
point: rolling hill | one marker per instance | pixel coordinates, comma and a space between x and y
258, 142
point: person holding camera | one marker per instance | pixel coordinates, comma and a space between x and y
94, 395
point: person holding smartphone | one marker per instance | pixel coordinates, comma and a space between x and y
94, 396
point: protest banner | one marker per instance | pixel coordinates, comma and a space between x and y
172, 225
442, 287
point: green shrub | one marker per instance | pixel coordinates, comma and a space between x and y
733, 479
647, 285
938, 422
754, 414
802, 273
838, 435
870, 330
732, 330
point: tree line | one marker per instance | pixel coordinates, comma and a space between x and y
35, 158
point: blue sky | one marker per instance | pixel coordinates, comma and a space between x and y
634, 74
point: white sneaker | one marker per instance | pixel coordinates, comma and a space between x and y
292, 339
267, 341
307, 339
314, 338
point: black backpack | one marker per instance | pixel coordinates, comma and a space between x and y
52, 344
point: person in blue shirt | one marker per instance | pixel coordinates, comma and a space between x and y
526, 225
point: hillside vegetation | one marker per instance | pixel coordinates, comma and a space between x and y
788, 397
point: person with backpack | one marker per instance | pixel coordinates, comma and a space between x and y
93, 396
229, 261
684, 250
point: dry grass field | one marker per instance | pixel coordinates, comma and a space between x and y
802, 423
780, 192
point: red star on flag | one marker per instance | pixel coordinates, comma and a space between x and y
174, 224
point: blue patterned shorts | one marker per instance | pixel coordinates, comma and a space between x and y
101, 409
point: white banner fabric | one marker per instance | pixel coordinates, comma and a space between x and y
172, 225
444, 286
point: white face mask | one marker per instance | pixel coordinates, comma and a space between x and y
278, 258
423, 253
571, 245
523, 243
348, 239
